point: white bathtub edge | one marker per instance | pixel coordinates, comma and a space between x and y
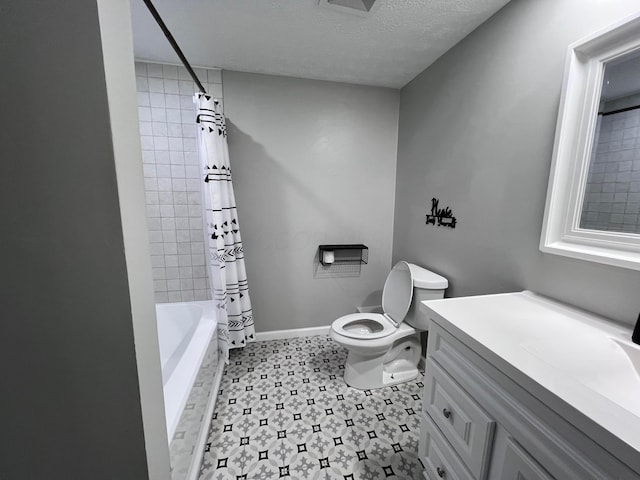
174, 404
292, 333
198, 451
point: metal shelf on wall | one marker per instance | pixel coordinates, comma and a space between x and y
354, 253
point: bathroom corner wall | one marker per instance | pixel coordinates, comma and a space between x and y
476, 131
313, 163
71, 402
173, 179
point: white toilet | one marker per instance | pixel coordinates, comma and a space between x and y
384, 348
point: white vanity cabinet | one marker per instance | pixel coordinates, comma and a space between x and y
480, 423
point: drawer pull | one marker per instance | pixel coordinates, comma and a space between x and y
446, 412
441, 472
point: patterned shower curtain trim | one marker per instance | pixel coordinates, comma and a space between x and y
227, 270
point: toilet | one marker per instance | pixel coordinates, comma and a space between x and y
385, 348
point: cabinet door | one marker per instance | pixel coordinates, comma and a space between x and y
518, 465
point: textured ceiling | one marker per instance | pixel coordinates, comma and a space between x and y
299, 38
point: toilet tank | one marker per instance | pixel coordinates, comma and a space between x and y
427, 285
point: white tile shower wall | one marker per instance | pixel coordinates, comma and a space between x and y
172, 178
612, 196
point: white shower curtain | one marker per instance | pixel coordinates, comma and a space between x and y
223, 243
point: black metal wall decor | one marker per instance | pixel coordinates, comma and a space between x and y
441, 217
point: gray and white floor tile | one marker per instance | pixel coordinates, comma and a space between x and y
284, 411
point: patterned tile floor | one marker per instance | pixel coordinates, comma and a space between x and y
284, 411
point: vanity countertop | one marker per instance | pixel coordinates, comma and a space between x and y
581, 365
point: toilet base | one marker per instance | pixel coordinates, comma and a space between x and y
398, 365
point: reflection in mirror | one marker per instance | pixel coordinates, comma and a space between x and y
611, 199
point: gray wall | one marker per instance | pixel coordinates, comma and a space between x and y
313, 162
70, 403
476, 131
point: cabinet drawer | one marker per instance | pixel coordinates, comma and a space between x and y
467, 427
439, 459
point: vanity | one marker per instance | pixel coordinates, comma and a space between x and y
518, 386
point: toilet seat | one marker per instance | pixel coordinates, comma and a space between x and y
363, 326
397, 296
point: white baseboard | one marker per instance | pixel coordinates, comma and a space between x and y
292, 333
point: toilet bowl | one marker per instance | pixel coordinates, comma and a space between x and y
384, 348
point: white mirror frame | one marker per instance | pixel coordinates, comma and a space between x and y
575, 128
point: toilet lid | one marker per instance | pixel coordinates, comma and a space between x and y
398, 292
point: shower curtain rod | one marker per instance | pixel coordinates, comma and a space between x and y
620, 110
173, 43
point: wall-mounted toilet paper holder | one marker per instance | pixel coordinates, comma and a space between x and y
343, 254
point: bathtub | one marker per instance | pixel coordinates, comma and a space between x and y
185, 331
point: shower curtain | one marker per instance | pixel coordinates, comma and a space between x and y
223, 243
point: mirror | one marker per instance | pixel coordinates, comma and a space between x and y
611, 199
593, 200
